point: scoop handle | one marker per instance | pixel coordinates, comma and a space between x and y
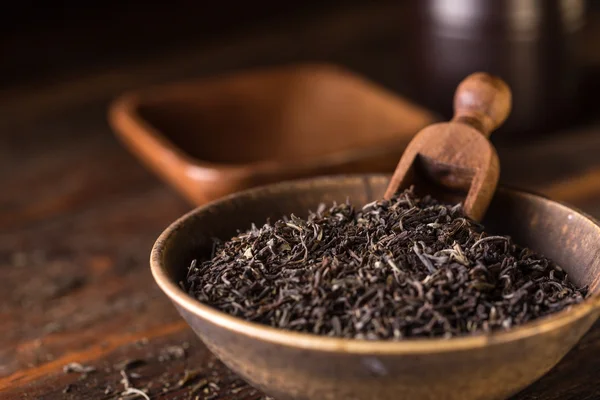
596, 303
482, 101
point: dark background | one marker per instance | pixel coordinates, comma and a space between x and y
50, 39
47, 42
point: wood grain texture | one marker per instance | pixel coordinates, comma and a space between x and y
90, 297
78, 214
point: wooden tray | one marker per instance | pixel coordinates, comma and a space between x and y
220, 135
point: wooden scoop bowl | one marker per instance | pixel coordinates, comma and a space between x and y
452, 157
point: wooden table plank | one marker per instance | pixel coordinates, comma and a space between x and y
89, 295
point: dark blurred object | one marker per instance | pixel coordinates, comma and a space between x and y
532, 44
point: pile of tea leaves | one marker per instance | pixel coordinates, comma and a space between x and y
407, 267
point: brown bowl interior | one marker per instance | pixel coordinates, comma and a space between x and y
215, 136
284, 114
299, 366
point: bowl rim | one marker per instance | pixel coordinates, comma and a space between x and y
310, 341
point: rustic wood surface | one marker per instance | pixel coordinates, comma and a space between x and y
78, 216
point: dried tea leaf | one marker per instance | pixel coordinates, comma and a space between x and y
78, 368
407, 267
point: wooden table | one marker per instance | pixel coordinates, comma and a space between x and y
78, 216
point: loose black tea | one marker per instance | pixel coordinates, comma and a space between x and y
407, 267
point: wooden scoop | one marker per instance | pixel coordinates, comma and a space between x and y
456, 158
